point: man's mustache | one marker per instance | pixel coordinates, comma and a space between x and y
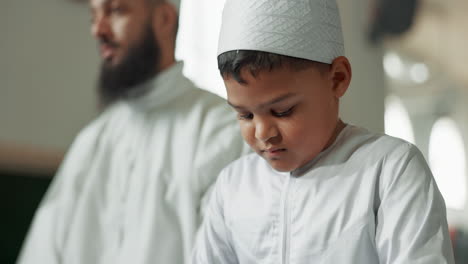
108, 42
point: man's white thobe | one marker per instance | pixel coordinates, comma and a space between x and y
129, 190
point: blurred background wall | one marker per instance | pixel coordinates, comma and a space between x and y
427, 95
48, 63
47, 71
427, 98
409, 78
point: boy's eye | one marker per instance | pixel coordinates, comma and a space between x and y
247, 116
283, 113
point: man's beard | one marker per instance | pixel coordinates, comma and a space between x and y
138, 66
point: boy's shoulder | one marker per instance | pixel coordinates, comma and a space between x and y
360, 143
362, 137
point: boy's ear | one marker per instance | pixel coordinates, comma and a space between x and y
341, 75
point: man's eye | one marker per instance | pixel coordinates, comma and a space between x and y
248, 116
116, 10
283, 113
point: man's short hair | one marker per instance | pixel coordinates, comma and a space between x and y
175, 3
231, 63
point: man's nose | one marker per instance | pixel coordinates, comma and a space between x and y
100, 27
265, 130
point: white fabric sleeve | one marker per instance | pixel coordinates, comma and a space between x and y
213, 243
47, 233
222, 144
411, 219
41, 245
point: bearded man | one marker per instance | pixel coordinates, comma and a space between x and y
131, 185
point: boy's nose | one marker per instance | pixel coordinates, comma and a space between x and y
264, 131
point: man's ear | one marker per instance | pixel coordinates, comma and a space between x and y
341, 75
165, 20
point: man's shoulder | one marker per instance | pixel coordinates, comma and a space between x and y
207, 99
211, 108
117, 112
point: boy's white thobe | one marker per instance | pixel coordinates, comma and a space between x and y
366, 199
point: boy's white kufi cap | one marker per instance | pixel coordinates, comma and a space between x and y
308, 29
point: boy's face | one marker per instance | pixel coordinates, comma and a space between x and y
287, 116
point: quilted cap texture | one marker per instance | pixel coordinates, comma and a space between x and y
308, 29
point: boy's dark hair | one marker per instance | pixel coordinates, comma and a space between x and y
231, 63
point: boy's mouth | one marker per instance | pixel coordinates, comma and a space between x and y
273, 152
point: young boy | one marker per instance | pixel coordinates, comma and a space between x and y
317, 190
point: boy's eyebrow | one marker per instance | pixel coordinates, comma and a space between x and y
263, 105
